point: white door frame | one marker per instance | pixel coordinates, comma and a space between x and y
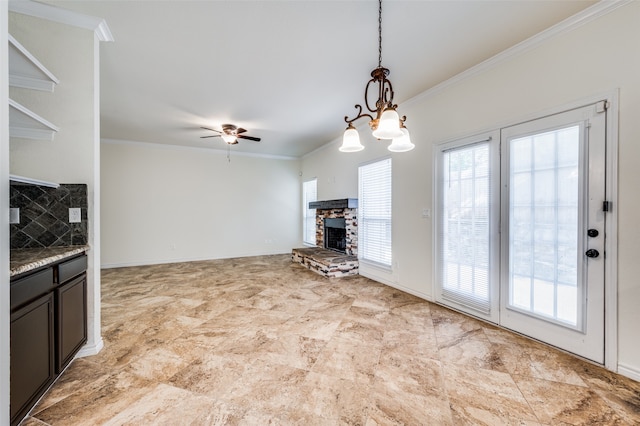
586, 336
611, 228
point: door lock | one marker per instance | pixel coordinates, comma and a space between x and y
592, 253
593, 233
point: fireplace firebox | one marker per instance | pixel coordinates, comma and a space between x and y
335, 234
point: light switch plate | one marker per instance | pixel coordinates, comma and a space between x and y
14, 215
74, 215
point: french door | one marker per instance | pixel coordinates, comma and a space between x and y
545, 259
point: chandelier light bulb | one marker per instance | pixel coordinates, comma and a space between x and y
403, 143
389, 125
351, 140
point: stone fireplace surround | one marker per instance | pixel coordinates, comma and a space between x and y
327, 262
346, 209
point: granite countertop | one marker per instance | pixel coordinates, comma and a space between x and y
25, 260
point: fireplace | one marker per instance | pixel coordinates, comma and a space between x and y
335, 234
336, 251
340, 235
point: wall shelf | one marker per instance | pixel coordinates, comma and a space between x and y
30, 181
24, 123
26, 71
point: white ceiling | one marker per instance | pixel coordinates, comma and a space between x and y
288, 71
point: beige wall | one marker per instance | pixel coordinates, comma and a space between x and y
71, 54
166, 204
592, 59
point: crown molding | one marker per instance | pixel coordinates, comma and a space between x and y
63, 16
195, 148
587, 15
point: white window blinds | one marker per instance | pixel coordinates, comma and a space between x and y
374, 212
309, 193
465, 255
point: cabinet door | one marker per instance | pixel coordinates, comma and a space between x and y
71, 321
32, 354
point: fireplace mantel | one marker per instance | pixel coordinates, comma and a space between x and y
343, 203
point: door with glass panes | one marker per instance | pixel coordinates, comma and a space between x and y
548, 249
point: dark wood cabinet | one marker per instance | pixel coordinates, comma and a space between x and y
32, 354
48, 328
71, 324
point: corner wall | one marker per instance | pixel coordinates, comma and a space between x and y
163, 204
597, 57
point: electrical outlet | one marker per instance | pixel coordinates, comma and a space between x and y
14, 215
426, 213
75, 215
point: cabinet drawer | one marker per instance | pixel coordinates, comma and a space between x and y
30, 287
72, 268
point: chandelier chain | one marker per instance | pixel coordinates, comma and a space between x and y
379, 33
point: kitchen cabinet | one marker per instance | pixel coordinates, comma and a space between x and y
71, 324
32, 354
48, 328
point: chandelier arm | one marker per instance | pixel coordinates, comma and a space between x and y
360, 115
366, 95
388, 90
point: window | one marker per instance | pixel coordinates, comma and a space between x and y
309, 193
374, 212
465, 244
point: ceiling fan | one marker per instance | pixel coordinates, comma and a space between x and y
230, 134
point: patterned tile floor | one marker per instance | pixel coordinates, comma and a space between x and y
262, 340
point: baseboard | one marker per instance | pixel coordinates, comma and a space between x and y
89, 350
182, 260
421, 295
628, 371
388, 278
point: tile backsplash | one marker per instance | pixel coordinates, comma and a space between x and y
44, 215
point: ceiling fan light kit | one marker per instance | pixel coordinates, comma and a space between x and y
230, 133
387, 123
230, 139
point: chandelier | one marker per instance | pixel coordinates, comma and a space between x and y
386, 124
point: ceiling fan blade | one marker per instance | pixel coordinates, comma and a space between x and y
213, 130
210, 136
251, 138
240, 130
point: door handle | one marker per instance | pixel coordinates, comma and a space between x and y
592, 253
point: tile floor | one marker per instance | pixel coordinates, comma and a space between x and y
263, 341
